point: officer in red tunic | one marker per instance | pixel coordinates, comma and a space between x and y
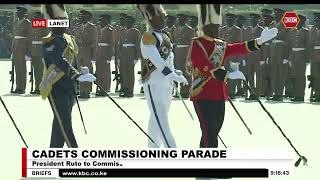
207, 57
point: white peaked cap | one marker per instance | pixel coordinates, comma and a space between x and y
209, 14
53, 11
150, 10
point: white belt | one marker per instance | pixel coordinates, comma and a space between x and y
298, 49
128, 45
182, 46
316, 47
36, 42
278, 41
19, 37
103, 44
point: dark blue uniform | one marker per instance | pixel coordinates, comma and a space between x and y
58, 84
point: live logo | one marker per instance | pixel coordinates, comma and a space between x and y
43, 23
39, 23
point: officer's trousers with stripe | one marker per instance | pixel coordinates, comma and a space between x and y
61, 105
211, 117
159, 99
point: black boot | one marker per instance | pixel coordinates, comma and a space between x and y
315, 99
277, 98
251, 97
19, 91
185, 95
37, 92
84, 96
123, 93
232, 96
240, 93
129, 95
101, 93
263, 95
297, 99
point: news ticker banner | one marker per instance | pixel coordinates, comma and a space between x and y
204, 162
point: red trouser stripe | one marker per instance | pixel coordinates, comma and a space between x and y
24, 162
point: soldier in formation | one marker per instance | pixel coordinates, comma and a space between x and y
279, 57
315, 58
21, 48
298, 58
118, 31
243, 63
105, 51
231, 33
37, 52
87, 42
130, 53
254, 59
267, 21
183, 36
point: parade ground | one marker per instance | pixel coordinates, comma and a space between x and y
108, 127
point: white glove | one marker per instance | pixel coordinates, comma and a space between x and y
244, 62
84, 70
285, 61
262, 63
234, 66
135, 61
27, 58
267, 34
86, 78
236, 75
179, 79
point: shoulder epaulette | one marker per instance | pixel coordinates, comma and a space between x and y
48, 38
110, 28
136, 30
168, 33
237, 28
149, 39
196, 38
306, 29
68, 35
219, 40
188, 26
27, 20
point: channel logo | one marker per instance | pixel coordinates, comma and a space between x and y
44, 23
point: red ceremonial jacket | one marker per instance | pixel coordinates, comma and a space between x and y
201, 54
